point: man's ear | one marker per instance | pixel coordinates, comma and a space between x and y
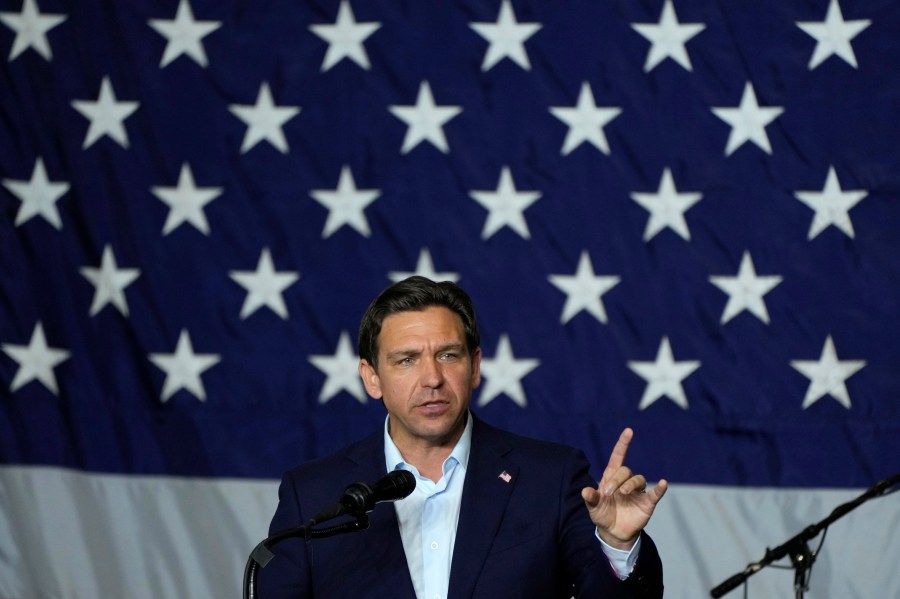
370, 379
476, 367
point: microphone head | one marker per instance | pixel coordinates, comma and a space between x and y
395, 485
360, 498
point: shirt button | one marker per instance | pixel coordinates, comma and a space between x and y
434, 545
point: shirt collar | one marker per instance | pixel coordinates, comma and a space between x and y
394, 460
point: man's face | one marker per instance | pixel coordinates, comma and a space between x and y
425, 376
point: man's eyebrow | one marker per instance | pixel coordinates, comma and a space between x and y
409, 352
451, 346
402, 353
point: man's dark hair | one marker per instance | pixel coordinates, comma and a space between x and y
412, 295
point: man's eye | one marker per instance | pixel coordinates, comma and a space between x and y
405, 361
449, 356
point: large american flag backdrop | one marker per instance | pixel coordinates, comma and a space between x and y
678, 216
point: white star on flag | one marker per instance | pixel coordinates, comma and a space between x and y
668, 38
264, 286
666, 207
584, 290
503, 374
341, 371
31, 29
186, 202
425, 120
664, 376
827, 376
505, 205
345, 204
345, 38
36, 361
264, 120
833, 36
746, 290
183, 368
748, 121
38, 196
507, 38
424, 268
832, 205
184, 35
107, 116
109, 282
586, 121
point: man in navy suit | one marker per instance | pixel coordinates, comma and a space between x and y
493, 515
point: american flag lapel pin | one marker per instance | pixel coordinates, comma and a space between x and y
505, 476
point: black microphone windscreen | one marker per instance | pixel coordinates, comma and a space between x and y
394, 485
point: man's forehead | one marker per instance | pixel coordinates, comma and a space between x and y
431, 320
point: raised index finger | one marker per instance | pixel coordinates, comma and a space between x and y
617, 458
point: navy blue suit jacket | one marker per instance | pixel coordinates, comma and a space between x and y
530, 537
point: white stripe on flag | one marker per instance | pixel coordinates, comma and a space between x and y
70, 535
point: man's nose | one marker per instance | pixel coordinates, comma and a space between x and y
432, 374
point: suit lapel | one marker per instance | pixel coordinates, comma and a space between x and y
485, 496
382, 538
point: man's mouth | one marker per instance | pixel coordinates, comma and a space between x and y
432, 404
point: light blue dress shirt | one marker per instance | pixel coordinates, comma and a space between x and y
428, 519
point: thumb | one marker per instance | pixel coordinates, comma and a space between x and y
591, 496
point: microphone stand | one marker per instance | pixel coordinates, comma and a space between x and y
262, 553
796, 547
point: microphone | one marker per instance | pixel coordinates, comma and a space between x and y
360, 499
